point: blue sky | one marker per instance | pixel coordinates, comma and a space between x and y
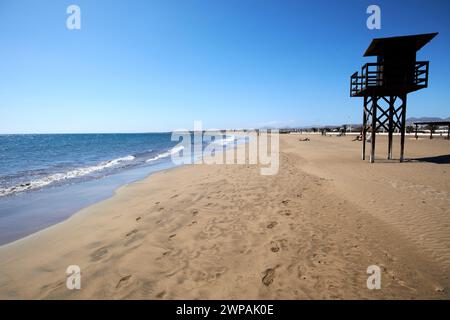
140, 66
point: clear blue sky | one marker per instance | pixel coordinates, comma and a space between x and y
139, 66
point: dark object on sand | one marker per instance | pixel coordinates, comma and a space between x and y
432, 125
388, 81
304, 139
358, 138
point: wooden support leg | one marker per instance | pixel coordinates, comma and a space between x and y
403, 128
391, 126
417, 135
364, 130
373, 129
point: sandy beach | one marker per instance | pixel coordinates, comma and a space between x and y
228, 232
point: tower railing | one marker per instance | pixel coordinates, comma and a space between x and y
372, 76
421, 73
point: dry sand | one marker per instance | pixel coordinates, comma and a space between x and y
227, 232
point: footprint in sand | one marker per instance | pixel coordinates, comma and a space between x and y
131, 232
439, 289
286, 212
274, 247
285, 201
123, 280
272, 224
99, 253
172, 236
138, 218
194, 212
280, 244
268, 276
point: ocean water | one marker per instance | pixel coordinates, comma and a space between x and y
29, 162
45, 178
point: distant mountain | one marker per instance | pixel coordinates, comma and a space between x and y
421, 119
409, 121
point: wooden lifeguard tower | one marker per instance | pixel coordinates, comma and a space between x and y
385, 84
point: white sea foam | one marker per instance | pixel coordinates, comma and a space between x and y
55, 177
80, 172
166, 154
174, 150
225, 141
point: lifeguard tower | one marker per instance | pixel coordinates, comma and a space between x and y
385, 84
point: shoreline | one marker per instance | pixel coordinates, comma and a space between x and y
226, 232
90, 192
42, 207
80, 211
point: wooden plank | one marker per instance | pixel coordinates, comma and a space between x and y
391, 127
363, 152
403, 127
373, 129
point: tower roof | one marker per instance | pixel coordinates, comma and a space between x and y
404, 43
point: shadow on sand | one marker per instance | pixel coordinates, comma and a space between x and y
444, 159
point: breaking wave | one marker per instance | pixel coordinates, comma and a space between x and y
61, 176
166, 154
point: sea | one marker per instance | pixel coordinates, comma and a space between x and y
46, 178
